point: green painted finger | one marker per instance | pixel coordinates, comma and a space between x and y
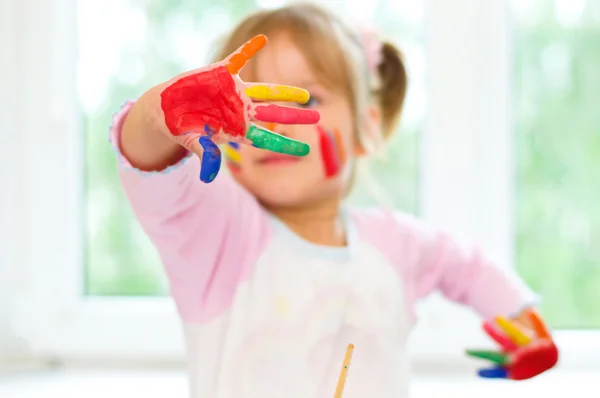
265, 139
494, 356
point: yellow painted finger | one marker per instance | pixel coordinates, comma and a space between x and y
232, 155
266, 92
513, 331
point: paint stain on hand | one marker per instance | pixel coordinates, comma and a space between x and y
205, 98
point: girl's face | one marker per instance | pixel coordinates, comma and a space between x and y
283, 181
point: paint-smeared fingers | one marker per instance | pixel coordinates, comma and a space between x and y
538, 324
275, 92
211, 159
265, 139
500, 338
513, 331
238, 59
285, 115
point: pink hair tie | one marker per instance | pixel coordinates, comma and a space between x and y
372, 46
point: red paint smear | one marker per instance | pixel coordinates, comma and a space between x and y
285, 115
206, 98
328, 153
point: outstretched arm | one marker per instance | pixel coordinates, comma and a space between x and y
206, 236
463, 274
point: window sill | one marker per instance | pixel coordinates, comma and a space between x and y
148, 329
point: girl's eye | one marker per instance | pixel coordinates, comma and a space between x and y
312, 102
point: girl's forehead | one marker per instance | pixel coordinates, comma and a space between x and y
281, 60
286, 59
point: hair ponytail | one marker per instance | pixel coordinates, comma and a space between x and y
393, 85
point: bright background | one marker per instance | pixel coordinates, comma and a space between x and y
500, 144
556, 126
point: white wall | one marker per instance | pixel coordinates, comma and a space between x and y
9, 189
16, 25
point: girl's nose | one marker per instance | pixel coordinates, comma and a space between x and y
281, 129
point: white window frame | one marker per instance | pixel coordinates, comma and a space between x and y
467, 142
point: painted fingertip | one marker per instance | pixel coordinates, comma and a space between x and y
494, 373
265, 139
286, 115
513, 331
265, 92
504, 341
211, 160
494, 356
242, 55
539, 326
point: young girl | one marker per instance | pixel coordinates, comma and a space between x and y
273, 277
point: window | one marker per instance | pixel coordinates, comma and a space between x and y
114, 66
557, 138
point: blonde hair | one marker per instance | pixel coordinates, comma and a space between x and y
336, 55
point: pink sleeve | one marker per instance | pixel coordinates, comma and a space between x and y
208, 235
429, 260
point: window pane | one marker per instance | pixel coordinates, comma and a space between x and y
150, 41
557, 153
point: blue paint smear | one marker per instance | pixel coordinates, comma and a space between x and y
234, 145
211, 160
208, 130
494, 373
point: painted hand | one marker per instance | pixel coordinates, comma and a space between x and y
522, 356
213, 105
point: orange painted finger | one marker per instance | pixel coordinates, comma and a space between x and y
539, 325
237, 60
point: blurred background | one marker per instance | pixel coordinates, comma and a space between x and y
500, 143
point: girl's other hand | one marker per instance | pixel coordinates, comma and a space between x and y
523, 356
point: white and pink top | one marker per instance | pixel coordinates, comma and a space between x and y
267, 314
